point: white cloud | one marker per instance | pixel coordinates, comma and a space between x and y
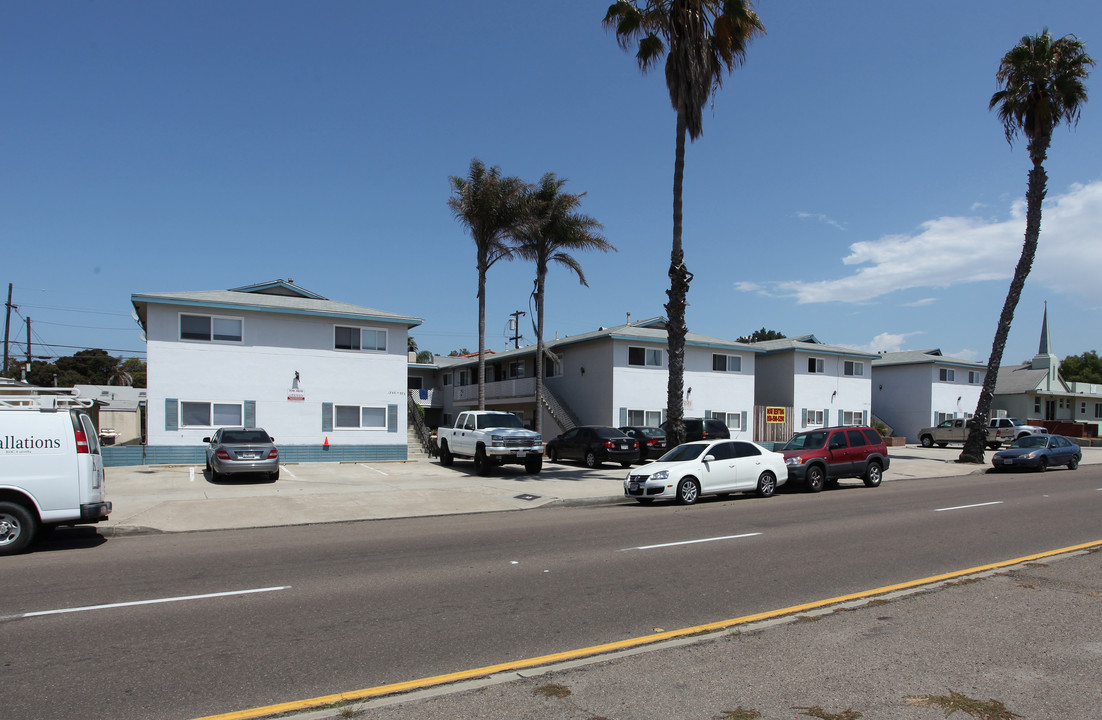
951, 251
884, 342
921, 302
821, 218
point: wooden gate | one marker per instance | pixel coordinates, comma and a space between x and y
772, 424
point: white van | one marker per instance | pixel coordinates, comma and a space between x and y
51, 471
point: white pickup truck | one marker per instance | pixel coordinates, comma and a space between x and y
999, 430
491, 438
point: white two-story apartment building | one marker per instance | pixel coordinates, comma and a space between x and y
326, 379
914, 389
817, 384
611, 376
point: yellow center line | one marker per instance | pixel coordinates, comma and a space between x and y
422, 683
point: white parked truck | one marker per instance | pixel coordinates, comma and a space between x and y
1000, 430
491, 438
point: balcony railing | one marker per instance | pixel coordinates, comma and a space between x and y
515, 388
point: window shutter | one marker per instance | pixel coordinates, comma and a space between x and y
392, 418
707, 414
840, 418
826, 417
803, 421
250, 413
623, 416
742, 420
172, 414
327, 417
864, 417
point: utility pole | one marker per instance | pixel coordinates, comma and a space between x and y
7, 324
514, 325
28, 368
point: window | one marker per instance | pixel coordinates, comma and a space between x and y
644, 418
353, 417
447, 379
1083, 408
856, 369
205, 414
516, 369
208, 328
644, 356
947, 375
726, 363
1098, 410
816, 365
354, 338
974, 377
551, 368
814, 417
732, 420
854, 417
942, 417
1037, 405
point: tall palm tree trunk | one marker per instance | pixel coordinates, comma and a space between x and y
675, 308
482, 341
539, 351
1035, 196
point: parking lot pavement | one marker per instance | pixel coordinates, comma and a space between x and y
181, 498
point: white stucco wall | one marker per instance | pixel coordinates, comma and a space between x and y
261, 369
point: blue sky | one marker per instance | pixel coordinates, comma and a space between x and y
850, 181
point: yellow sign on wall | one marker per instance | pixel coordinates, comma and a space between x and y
775, 415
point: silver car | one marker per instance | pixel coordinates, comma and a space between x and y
241, 450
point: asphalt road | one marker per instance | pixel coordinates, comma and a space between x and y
333, 608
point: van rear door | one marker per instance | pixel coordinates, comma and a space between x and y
89, 460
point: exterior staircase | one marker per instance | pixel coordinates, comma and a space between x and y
419, 442
559, 410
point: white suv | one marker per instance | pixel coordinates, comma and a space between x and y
1010, 429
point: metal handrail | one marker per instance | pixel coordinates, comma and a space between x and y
422, 430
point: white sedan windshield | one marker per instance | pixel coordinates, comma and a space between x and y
683, 452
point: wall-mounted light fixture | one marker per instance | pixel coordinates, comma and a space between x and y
583, 371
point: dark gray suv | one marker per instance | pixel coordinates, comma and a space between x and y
703, 429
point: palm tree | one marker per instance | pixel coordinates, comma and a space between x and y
701, 39
554, 228
492, 208
1042, 86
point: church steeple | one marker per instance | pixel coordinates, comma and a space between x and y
1044, 359
1043, 349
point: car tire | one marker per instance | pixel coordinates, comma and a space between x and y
481, 462
688, 491
873, 475
533, 465
446, 457
1042, 464
591, 460
926, 441
815, 479
1073, 463
625, 464
767, 485
553, 455
17, 528
274, 475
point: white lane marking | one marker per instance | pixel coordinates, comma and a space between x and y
144, 602
191, 474
965, 507
690, 542
284, 467
371, 468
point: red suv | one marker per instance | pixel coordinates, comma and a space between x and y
820, 457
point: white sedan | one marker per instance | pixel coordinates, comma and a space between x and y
708, 467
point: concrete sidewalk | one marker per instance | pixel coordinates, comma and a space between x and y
181, 498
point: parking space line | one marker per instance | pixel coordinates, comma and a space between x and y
965, 507
690, 542
371, 468
156, 601
284, 468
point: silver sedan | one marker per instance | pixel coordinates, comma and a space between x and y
241, 450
